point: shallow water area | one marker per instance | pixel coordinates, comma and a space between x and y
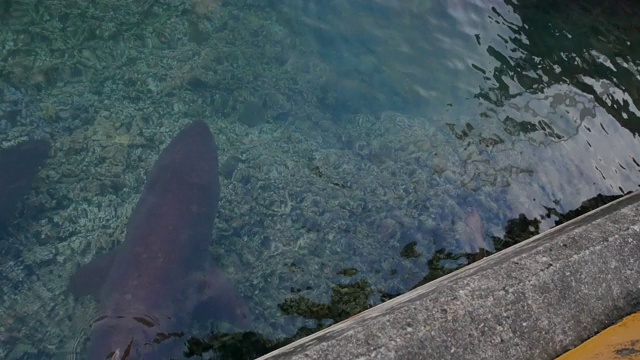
364, 147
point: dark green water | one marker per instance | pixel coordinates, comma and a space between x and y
365, 147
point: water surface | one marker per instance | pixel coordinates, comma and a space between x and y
366, 147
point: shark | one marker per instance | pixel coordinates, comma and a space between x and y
19, 165
160, 278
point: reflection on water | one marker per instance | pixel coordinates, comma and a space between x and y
365, 147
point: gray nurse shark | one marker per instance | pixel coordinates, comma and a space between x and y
19, 165
152, 286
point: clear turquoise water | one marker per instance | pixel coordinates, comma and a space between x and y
365, 147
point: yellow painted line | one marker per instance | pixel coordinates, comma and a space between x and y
620, 342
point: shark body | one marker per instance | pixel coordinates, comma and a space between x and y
149, 287
19, 165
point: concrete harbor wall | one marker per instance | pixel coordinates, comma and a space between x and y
535, 300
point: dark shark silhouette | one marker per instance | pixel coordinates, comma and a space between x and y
19, 165
150, 287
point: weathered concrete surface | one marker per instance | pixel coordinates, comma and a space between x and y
535, 300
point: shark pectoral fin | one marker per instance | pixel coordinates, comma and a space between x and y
230, 310
89, 278
217, 298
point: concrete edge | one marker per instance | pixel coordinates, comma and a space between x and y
583, 273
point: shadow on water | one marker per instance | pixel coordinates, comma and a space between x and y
587, 44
